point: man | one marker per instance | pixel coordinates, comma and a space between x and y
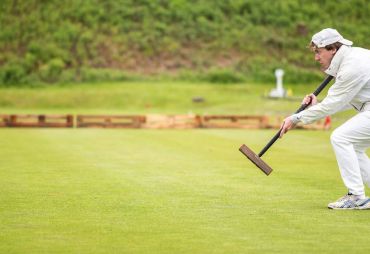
350, 67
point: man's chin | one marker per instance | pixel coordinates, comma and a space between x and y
323, 68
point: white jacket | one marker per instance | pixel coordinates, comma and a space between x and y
350, 67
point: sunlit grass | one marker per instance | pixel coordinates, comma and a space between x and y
171, 191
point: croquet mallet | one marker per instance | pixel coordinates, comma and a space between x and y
256, 159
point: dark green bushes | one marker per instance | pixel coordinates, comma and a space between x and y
50, 41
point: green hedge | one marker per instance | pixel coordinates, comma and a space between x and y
42, 40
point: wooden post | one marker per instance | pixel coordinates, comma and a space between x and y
13, 120
69, 121
41, 119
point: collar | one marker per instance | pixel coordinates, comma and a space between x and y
337, 60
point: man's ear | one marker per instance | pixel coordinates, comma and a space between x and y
333, 51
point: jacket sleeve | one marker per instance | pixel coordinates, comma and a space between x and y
339, 96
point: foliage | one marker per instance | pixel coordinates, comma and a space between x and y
223, 76
40, 40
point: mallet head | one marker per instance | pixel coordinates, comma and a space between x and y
255, 159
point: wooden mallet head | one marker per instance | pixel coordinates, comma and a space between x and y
255, 159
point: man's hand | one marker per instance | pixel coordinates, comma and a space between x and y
309, 99
286, 125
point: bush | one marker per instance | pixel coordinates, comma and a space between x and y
51, 71
223, 76
93, 75
81, 40
13, 74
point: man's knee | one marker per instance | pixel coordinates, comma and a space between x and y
337, 137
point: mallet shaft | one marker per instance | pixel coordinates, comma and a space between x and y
303, 107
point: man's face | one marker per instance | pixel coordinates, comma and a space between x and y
324, 57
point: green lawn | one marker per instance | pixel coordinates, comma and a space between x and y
148, 97
171, 191
168, 191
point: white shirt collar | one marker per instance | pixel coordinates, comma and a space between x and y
337, 60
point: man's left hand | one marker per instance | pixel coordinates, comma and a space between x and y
286, 125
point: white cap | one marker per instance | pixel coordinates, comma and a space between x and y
329, 36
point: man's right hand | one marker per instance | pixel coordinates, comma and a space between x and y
310, 100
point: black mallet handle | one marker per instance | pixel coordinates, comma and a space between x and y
303, 107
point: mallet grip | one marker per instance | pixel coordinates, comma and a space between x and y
303, 107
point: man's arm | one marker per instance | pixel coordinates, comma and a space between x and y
345, 88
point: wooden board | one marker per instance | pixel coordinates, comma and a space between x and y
110, 121
255, 159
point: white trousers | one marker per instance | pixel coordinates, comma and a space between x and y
350, 142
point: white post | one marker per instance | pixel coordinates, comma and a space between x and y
279, 73
279, 91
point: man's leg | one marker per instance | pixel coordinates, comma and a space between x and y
364, 163
350, 140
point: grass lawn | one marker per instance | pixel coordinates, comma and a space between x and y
168, 191
152, 97
171, 191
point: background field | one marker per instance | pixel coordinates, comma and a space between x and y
160, 97
167, 191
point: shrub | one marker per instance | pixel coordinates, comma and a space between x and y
54, 42
51, 71
223, 76
13, 74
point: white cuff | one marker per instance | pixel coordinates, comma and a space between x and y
295, 118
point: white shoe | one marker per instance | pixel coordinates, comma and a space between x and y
363, 204
346, 202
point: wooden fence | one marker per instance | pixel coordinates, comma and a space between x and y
32, 120
233, 121
155, 121
110, 121
152, 121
